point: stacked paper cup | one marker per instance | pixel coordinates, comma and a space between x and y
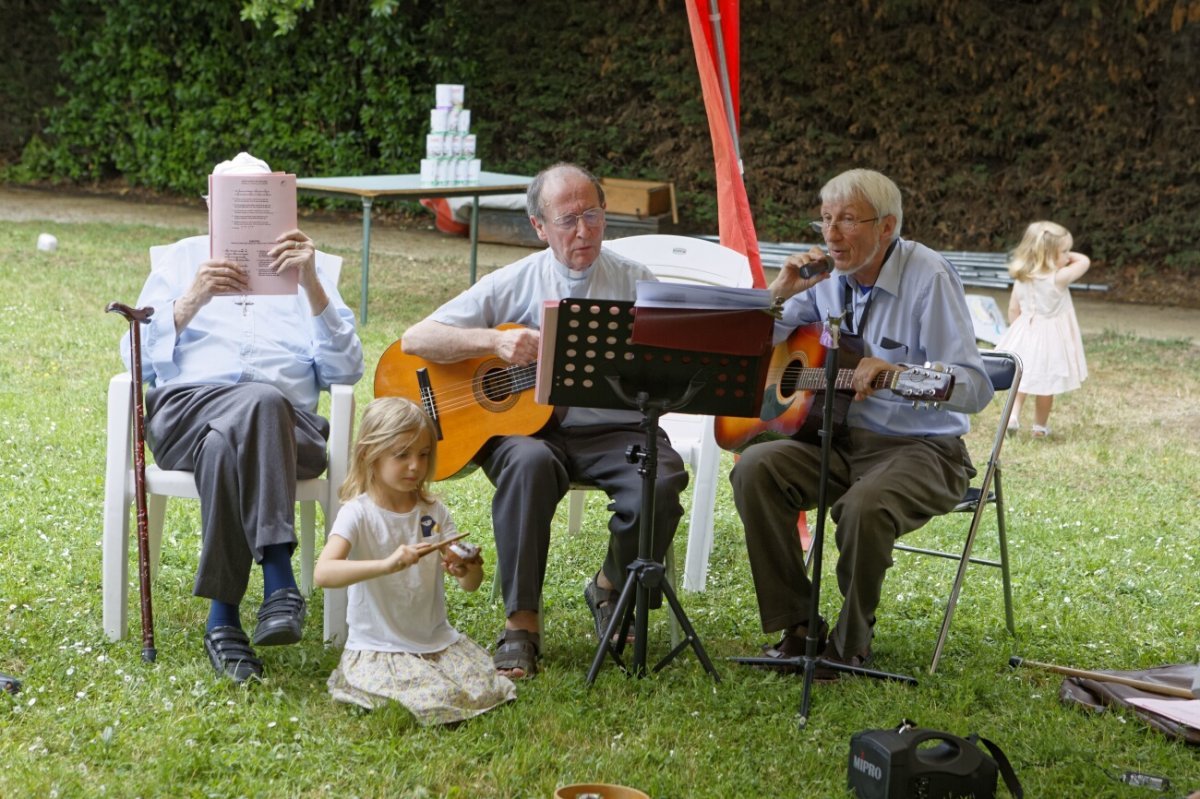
450, 146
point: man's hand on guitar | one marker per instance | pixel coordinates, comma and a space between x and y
865, 373
518, 345
789, 280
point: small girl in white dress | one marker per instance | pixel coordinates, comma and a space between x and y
1043, 329
401, 646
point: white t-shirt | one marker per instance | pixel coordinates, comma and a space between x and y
404, 611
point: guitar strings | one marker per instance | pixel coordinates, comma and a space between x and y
456, 396
463, 394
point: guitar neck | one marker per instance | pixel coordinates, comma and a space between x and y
813, 379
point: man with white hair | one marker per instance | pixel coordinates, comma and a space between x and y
892, 466
233, 397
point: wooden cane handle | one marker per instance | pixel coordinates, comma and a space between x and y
132, 314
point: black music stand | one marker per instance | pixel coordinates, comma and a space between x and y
811, 658
609, 355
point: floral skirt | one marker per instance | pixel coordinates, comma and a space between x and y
457, 683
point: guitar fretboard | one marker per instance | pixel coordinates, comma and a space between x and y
806, 378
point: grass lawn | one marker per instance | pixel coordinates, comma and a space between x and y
1102, 526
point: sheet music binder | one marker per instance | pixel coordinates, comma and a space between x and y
662, 352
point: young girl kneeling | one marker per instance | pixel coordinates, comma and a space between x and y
401, 646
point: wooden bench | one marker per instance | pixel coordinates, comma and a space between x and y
978, 269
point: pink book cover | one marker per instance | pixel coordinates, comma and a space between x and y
247, 213
545, 364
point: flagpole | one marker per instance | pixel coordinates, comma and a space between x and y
714, 17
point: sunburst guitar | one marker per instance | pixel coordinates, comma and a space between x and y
794, 378
470, 401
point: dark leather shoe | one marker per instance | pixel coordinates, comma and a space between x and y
281, 619
230, 654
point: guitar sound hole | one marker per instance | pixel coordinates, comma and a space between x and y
497, 386
791, 376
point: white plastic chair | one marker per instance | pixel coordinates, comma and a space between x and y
162, 484
682, 259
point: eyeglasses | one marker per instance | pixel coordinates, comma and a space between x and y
845, 225
592, 217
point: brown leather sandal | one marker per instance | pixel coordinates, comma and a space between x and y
826, 674
518, 649
602, 602
790, 648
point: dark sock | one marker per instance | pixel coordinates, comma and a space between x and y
222, 614
277, 568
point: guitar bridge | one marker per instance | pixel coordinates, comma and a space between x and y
427, 399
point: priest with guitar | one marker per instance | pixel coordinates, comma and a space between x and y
893, 466
530, 454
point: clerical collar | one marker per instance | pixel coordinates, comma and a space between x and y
572, 274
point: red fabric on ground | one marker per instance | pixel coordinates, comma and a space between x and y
444, 218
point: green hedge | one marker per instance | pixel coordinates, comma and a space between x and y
159, 90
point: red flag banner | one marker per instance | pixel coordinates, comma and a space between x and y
736, 225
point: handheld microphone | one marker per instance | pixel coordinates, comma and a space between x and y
818, 267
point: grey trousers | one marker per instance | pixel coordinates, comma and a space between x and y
247, 446
533, 473
880, 487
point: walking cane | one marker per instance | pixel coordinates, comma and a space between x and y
1100, 676
138, 317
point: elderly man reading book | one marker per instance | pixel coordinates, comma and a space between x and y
234, 380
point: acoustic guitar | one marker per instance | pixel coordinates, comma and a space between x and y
470, 401
794, 378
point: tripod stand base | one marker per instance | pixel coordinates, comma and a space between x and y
808, 665
633, 607
799, 664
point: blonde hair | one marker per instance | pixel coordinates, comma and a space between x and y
1038, 252
388, 424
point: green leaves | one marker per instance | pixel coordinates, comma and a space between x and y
158, 91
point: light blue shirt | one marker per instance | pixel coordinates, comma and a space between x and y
516, 293
917, 314
273, 339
